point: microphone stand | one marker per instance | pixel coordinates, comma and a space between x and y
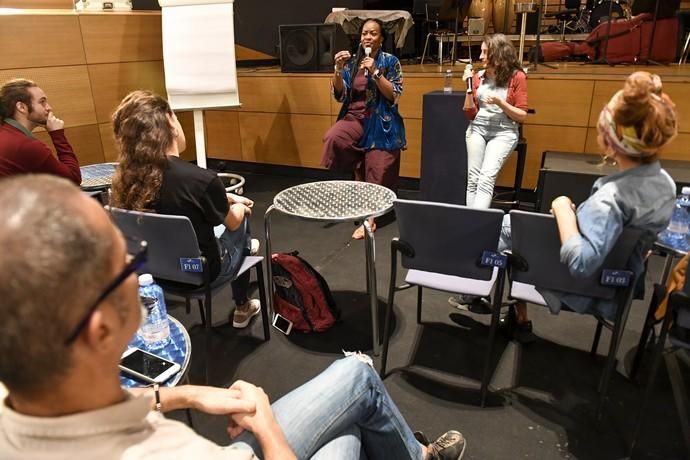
604, 59
647, 60
540, 16
455, 34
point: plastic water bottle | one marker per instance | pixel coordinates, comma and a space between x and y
676, 234
448, 82
155, 331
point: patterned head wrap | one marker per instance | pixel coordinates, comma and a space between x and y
624, 139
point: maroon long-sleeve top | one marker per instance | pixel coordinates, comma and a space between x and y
22, 154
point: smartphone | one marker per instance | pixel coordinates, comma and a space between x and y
146, 366
283, 324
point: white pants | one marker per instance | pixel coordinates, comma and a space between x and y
488, 147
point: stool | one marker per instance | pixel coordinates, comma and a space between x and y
514, 194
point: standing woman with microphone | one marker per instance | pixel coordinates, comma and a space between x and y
369, 133
498, 105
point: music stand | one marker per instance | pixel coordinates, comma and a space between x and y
540, 15
647, 60
447, 4
604, 59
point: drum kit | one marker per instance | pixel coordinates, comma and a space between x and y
502, 13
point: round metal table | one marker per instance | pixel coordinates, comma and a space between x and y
335, 201
97, 176
178, 350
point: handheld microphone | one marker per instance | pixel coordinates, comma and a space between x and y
367, 52
468, 67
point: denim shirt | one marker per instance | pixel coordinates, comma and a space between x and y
643, 198
383, 126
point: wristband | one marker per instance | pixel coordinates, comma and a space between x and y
157, 393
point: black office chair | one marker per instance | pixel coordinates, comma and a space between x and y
535, 263
444, 247
676, 327
171, 241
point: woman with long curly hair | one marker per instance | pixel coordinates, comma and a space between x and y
500, 104
151, 177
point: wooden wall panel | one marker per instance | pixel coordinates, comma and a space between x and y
285, 94
411, 159
603, 90
559, 102
223, 140
413, 91
68, 90
85, 141
112, 82
539, 139
110, 152
50, 40
187, 123
680, 93
284, 139
121, 37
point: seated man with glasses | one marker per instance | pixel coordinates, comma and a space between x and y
69, 308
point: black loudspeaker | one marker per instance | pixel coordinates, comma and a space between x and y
444, 154
310, 47
573, 174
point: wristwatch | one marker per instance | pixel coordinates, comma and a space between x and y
336, 69
377, 74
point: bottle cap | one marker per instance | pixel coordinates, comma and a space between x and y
146, 279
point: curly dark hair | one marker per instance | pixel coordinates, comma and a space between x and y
144, 135
502, 57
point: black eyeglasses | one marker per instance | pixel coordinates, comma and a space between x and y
135, 263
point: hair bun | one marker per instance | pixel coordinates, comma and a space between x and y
635, 102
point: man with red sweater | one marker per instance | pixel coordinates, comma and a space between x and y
23, 107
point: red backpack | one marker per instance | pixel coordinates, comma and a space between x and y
302, 294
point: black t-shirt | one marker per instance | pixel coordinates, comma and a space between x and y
199, 194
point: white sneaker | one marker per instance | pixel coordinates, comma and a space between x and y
462, 301
254, 247
244, 313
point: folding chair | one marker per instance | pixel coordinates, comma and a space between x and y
679, 334
175, 261
535, 263
450, 248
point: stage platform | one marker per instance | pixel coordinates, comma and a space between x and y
284, 115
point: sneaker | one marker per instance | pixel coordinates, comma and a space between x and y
450, 446
244, 313
463, 301
472, 303
254, 247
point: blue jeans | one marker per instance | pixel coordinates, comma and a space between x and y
234, 246
343, 413
488, 147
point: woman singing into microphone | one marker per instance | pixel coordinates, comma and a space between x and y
369, 133
500, 103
